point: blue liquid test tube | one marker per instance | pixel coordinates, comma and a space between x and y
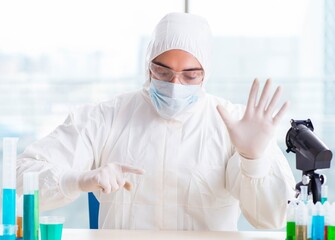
7, 232
310, 211
318, 222
9, 181
30, 206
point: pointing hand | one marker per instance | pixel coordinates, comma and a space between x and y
109, 178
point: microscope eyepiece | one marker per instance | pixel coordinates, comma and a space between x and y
311, 152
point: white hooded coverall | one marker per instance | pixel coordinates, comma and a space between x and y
194, 179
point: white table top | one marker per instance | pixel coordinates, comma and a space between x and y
86, 234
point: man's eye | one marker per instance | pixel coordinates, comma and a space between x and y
161, 70
191, 75
163, 73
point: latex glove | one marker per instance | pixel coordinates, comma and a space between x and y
253, 132
109, 178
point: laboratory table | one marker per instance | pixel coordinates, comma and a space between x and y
102, 234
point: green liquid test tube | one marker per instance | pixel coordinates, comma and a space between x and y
290, 231
331, 233
36, 211
290, 221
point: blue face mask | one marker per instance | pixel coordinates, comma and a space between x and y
171, 99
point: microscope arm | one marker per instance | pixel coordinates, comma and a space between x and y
316, 187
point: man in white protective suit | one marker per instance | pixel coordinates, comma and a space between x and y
190, 160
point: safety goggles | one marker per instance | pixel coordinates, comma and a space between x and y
187, 77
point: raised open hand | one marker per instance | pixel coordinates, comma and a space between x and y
253, 132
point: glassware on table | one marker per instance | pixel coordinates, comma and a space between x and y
51, 227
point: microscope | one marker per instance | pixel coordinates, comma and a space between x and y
311, 154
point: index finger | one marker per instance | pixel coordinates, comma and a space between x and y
280, 113
131, 169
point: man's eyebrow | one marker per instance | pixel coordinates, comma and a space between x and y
187, 69
192, 69
162, 65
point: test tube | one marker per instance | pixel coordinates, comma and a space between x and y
19, 217
30, 203
318, 222
7, 232
290, 221
310, 207
326, 208
304, 193
9, 181
324, 193
331, 226
36, 204
301, 220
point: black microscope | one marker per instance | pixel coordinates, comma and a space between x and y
311, 154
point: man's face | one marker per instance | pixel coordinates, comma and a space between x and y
177, 66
